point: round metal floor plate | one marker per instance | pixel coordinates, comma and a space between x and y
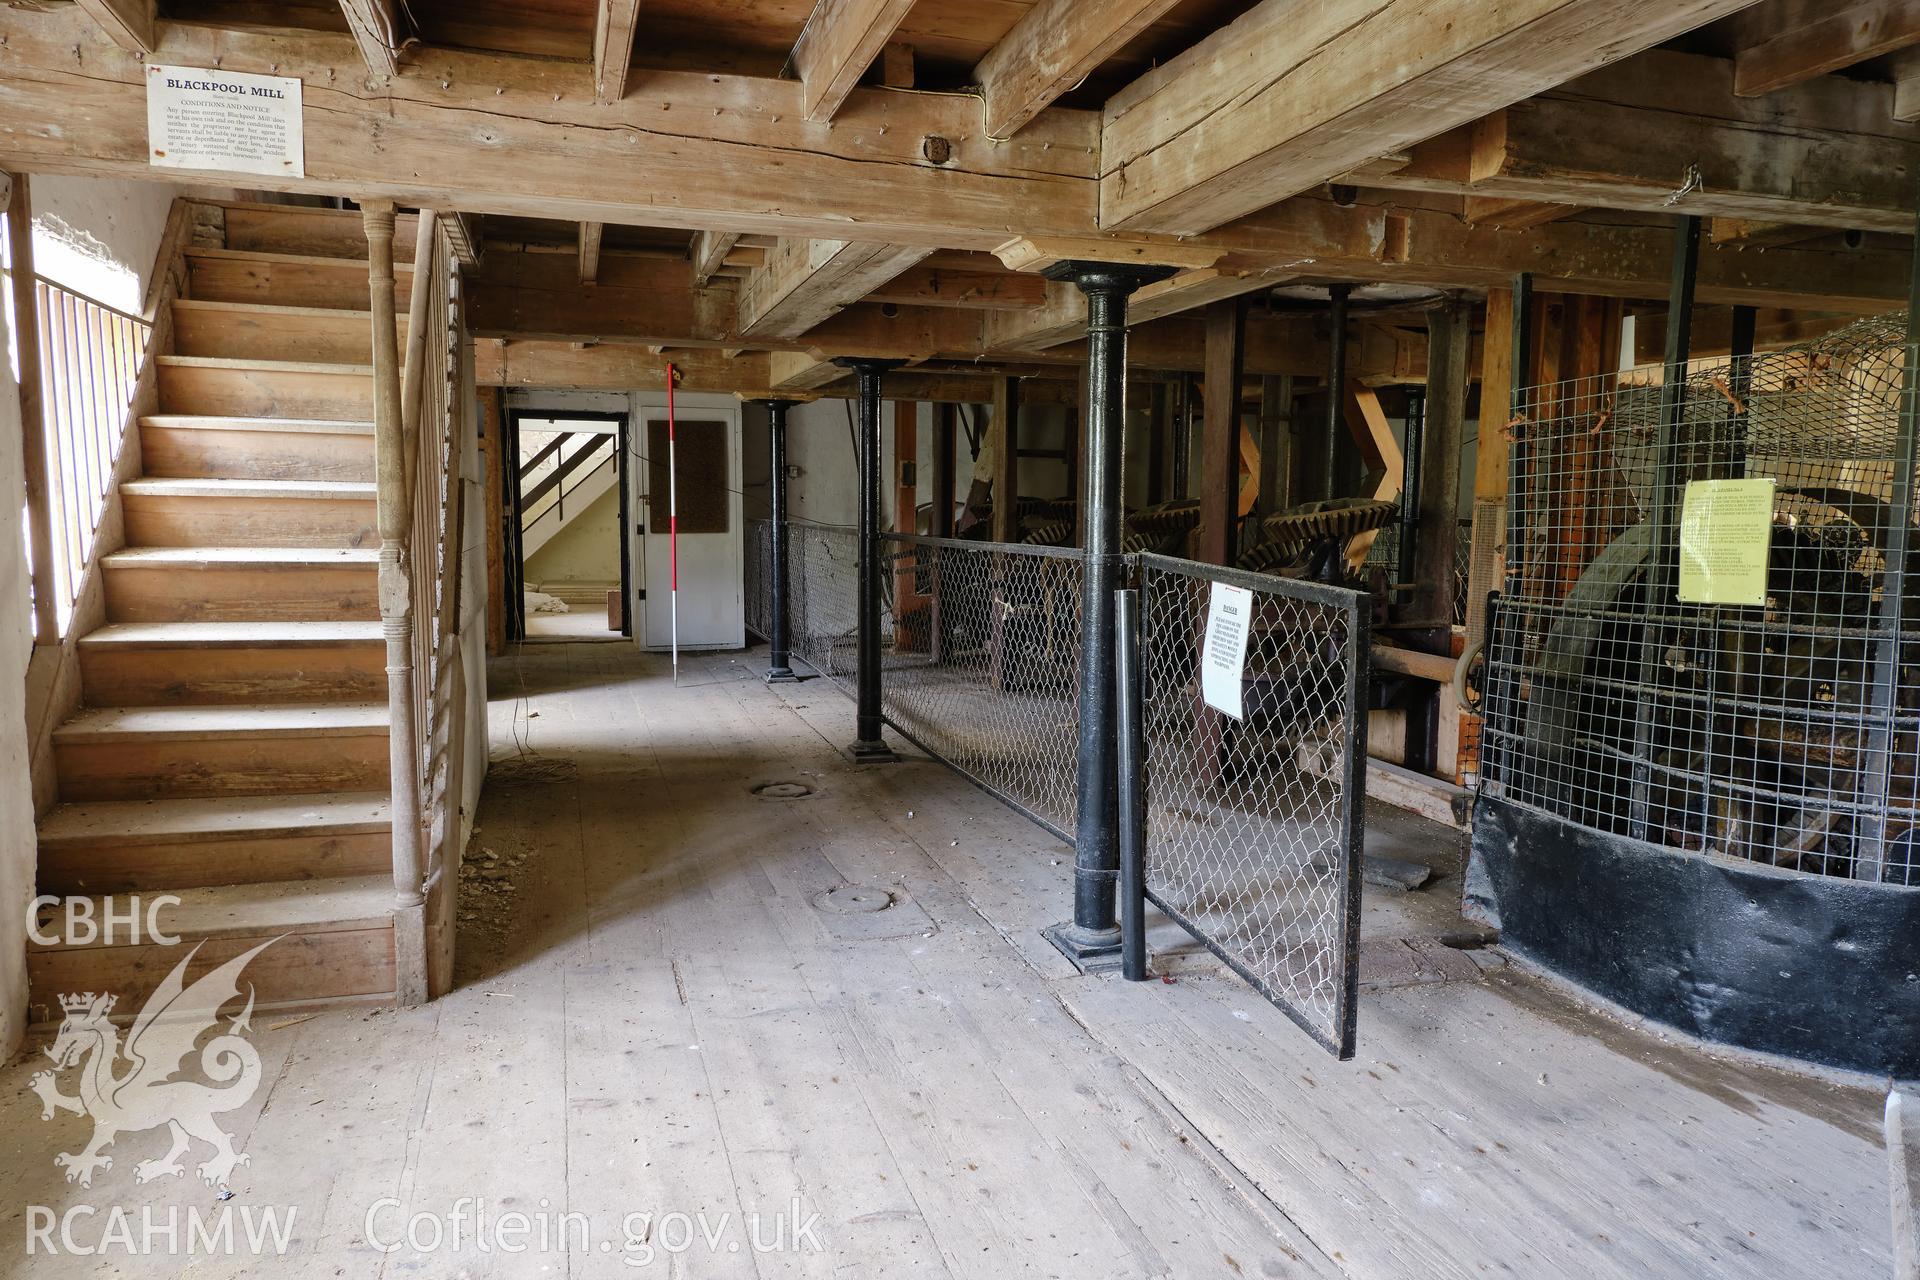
783, 790
854, 899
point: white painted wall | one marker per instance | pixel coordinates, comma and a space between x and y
99, 236
17, 844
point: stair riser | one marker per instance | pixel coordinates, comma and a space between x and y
149, 868
231, 676
169, 521
290, 284
266, 393
192, 453
343, 338
242, 594
132, 769
334, 964
319, 233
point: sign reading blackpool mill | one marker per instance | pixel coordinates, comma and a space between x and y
224, 120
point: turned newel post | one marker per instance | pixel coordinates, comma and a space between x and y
393, 517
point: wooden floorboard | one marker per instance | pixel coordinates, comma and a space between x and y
655, 1016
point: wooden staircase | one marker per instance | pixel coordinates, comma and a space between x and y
232, 745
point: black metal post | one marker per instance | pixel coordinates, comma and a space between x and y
1502, 710
1129, 710
1410, 480
869, 746
779, 667
1660, 520
1336, 383
1093, 931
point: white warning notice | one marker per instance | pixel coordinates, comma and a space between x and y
224, 120
1223, 649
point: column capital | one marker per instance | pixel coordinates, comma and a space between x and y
868, 364
1107, 277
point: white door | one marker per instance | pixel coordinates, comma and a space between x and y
707, 462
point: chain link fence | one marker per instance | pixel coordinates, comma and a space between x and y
984, 670
757, 580
823, 588
1253, 823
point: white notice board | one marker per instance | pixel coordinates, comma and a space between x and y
224, 120
1223, 649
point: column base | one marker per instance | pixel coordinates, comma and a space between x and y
1091, 950
864, 752
781, 675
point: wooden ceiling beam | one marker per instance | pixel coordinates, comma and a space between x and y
840, 41
1288, 96
932, 286
805, 282
610, 367
492, 134
131, 24
709, 253
614, 24
590, 233
1664, 133
1053, 47
1810, 44
376, 31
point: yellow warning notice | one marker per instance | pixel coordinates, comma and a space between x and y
1726, 532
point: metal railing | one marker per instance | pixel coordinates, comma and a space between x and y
984, 671
1251, 830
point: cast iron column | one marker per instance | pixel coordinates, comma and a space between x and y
1336, 385
1093, 931
779, 669
868, 745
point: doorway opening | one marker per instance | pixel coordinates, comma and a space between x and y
568, 562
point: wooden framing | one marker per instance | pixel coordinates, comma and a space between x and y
590, 233
376, 31
1289, 96
1828, 39
807, 281
132, 24
841, 40
1226, 324
1055, 45
709, 254
613, 30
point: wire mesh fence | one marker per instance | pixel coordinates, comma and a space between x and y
984, 668
756, 578
1253, 823
823, 586
1624, 696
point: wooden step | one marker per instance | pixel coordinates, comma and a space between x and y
228, 387
187, 445
287, 279
258, 331
139, 664
182, 512
335, 941
137, 753
116, 846
313, 232
241, 584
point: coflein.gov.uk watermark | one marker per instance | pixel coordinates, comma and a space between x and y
470, 1225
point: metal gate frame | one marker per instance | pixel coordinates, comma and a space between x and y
1336, 1032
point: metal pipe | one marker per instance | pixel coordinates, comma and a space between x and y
1660, 520
1129, 713
1410, 481
869, 746
394, 518
1094, 931
779, 667
1336, 382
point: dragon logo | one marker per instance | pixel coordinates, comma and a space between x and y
149, 1093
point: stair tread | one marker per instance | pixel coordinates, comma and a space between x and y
125, 822
265, 557
227, 422
303, 259
236, 720
249, 910
242, 364
274, 308
214, 635
212, 487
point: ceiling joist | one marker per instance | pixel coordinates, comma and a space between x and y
841, 40
1055, 45
376, 31
805, 282
613, 29
1830, 39
131, 24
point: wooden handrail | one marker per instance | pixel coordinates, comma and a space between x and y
33, 425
